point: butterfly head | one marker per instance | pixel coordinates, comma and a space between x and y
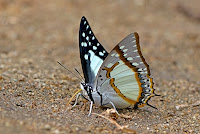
87, 89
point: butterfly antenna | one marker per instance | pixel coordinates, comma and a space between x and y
157, 95
70, 71
79, 73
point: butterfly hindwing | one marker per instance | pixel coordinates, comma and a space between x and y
125, 74
92, 53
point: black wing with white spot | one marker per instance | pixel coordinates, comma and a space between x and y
92, 53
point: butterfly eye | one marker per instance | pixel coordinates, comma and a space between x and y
83, 84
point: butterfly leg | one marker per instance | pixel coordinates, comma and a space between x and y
114, 107
91, 104
76, 99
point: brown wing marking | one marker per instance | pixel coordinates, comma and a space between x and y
140, 53
134, 68
112, 80
119, 93
110, 69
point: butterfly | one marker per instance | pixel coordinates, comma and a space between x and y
119, 79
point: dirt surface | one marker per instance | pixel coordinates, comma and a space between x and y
34, 89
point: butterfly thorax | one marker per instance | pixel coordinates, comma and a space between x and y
87, 91
91, 94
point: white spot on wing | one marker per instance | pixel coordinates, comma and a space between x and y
93, 38
101, 54
144, 85
89, 43
143, 72
98, 44
83, 34
135, 50
140, 69
86, 57
125, 50
121, 47
113, 54
144, 80
84, 44
87, 27
104, 51
116, 55
125, 54
137, 56
90, 32
135, 64
94, 48
129, 58
84, 22
87, 38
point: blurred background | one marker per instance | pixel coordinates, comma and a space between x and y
35, 34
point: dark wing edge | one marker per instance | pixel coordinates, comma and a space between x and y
88, 41
140, 53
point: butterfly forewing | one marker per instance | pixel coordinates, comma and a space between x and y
92, 53
125, 73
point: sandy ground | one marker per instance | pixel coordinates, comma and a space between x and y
34, 89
